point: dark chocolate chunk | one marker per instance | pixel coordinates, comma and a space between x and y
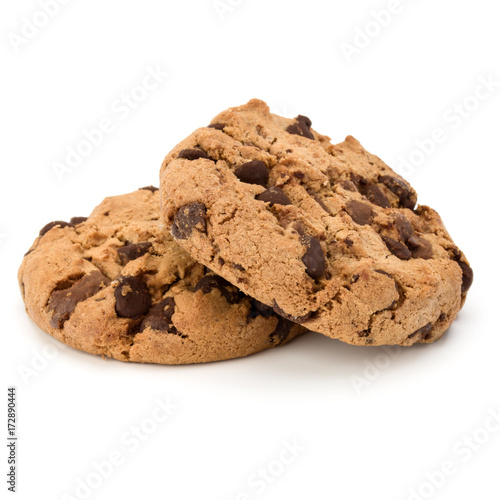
423, 333
209, 282
348, 185
149, 188
273, 195
361, 213
193, 154
407, 198
63, 302
297, 226
400, 250
289, 317
132, 297
360, 183
57, 223
404, 227
253, 172
188, 218
160, 317
217, 126
420, 247
314, 258
375, 195
259, 309
302, 126
467, 275
281, 332
133, 251
77, 220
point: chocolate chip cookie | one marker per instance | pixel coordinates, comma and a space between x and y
117, 284
327, 235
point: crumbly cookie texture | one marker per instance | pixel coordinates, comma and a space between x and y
117, 284
328, 235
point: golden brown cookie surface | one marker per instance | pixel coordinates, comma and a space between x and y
117, 284
328, 235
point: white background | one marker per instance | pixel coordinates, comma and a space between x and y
376, 440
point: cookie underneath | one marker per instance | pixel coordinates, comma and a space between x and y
116, 284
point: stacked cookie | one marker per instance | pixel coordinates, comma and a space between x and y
264, 230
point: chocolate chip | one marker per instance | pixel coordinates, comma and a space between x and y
467, 276
132, 297
217, 126
423, 333
77, 220
349, 242
281, 332
376, 196
188, 218
259, 309
297, 226
361, 213
314, 258
348, 185
209, 282
400, 250
64, 302
133, 251
407, 198
295, 319
420, 247
193, 154
360, 183
253, 172
404, 227
160, 317
57, 223
149, 188
302, 127
273, 195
